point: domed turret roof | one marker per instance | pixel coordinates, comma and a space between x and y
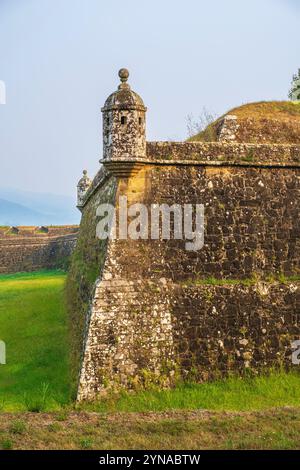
124, 97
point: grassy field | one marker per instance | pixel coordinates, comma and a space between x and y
33, 326
277, 389
255, 412
276, 429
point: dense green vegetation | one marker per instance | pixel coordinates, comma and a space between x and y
33, 326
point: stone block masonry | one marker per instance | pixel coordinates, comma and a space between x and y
149, 311
231, 328
155, 332
150, 314
35, 248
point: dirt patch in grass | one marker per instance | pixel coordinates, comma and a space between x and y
275, 429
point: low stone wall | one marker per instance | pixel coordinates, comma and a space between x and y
30, 250
224, 153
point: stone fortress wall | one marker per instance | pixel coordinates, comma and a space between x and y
35, 248
149, 310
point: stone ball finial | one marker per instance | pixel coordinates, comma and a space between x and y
84, 172
123, 74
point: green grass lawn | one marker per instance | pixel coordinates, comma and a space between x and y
33, 326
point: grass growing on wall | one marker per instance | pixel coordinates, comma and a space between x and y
276, 389
33, 326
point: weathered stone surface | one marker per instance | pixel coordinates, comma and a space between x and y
131, 336
228, 128
223, 153
142, 318
124, 124
234, 327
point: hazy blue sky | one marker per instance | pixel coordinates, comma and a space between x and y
59, 60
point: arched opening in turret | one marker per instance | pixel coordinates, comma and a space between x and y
123, 120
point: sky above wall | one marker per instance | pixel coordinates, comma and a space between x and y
60, 58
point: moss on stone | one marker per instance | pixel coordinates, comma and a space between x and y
252, 281
86, 265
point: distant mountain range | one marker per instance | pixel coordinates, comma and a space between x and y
19, 207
